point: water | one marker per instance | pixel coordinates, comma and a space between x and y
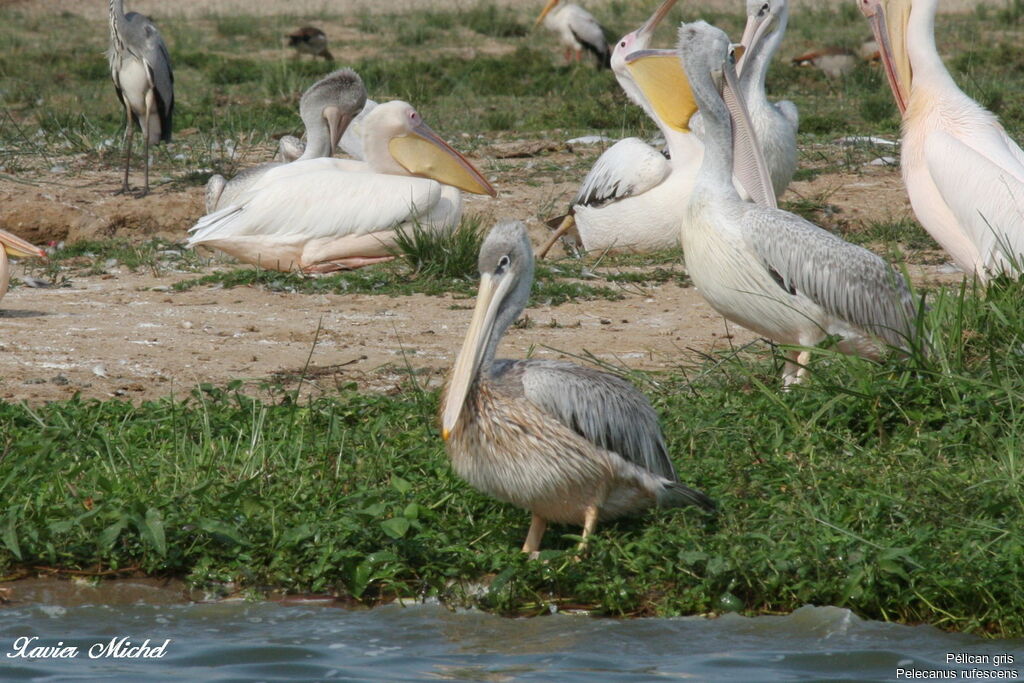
237, 641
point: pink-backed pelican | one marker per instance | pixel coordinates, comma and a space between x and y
775, 123
328, 214
963, 173
572, 445
767, 269
327, 109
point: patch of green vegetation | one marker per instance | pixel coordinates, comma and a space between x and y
152, 255
893, 489
905, 231
441, 255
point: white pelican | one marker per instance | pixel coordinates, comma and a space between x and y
964, 175
290, 148
141, 70
578, 30
328, 214
774, 123
630, 199
568, 443
767, 269
12, 245
327, 108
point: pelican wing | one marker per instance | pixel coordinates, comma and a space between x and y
627, 168
605, 409
847, 281
321, 203
983, 186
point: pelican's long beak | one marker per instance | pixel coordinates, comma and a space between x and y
488, 301
19, 248
891, 38
748, 163
422, 152
660, 76
544, 12
337, 122
753, 33
644, 33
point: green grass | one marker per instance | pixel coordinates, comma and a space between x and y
892, 489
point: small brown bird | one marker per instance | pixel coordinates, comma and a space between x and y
310, 40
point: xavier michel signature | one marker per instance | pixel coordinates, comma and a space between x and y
26, 647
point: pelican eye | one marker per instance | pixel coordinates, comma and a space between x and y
622, 44
764, 8
502, 264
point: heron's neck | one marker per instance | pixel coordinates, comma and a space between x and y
716, 167
117, 24
318, 140
5, 272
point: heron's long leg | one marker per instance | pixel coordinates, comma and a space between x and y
538, 525
127, 143
145, 134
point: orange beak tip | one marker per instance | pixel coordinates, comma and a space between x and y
445, 434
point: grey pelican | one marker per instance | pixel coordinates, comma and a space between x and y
290, 147
141, 70
964, 175
327, 108
310, 40
570, 444
767, 269
326, 214
12, 245
775, 124
577, 29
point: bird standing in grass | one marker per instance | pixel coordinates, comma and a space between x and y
310, 40
767, 269
141, 69
578, 30
571, 444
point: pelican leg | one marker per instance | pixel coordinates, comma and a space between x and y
346, 264
795, 369
126, 142
589, 525
564, 227
538, 525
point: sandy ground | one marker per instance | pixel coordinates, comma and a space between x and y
128, 334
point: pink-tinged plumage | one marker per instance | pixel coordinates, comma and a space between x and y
963, 173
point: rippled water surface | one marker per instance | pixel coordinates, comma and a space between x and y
235, 641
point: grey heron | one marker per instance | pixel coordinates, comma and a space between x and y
141, 69
767, 269
570, 444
